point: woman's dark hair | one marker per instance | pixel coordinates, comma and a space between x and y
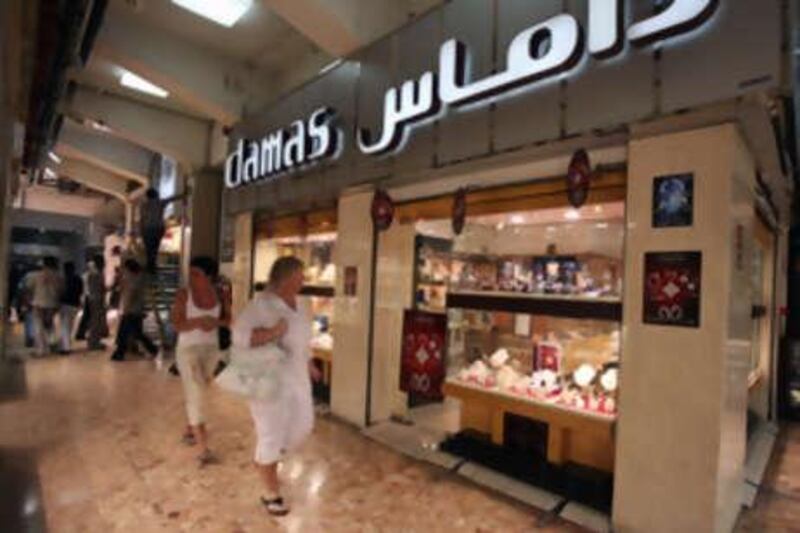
282, 268
207, 265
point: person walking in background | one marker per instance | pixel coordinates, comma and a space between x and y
70, 304
96, 303
45, 286
281, 424
25, 309
197, 315
132, 296
151, 226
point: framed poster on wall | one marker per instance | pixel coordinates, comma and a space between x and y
422, 370
672, 288
673, 201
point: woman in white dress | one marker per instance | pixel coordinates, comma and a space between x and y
281, 424
197, 314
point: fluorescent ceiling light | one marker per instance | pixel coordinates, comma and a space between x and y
330, 66
54, 158
223, 12
50, 174
137, 83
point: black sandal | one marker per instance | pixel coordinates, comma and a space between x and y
275, 506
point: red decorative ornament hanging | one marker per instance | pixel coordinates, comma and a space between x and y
459, 215
579, 177
382, 210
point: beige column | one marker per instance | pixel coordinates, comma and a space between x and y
242, 261
394, 292
681, 428
204, 208
352, 313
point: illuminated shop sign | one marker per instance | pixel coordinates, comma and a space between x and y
303, 142
537, 53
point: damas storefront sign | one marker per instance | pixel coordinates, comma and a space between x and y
547, 49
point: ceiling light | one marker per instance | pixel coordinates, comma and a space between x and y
50, 174
572, 214
54, 158
500, 226
330, 66
137, 83
517, 219
598, 209
98, 125
223, 12
601, 225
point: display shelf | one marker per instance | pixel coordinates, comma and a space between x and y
573, 435
567, 306
321, 291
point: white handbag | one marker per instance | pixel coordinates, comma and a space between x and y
254, 373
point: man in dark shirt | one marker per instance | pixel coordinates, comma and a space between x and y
132, 302
70, 304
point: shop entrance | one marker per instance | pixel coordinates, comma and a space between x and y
501, 344
310, 237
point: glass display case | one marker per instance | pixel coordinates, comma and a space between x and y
560, 360
432, 272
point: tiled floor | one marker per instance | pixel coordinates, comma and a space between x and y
107, 455
95, 446
777, 505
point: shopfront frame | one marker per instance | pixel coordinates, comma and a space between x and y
465, 148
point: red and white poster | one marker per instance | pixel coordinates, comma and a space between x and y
422, 369
672, 288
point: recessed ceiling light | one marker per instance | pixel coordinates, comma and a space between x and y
137, 83
517, 219
54, 158
572, 214
598, 209
223, 12
500, 226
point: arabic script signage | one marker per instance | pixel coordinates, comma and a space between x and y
539, 52
547, 49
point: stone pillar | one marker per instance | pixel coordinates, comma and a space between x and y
352, 313
205, 209
683, 391
242, 261
394, 293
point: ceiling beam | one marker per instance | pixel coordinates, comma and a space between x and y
182, 138
203, 81
95, 178
340, 27
105, 151
320, 22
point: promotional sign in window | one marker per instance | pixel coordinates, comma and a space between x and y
422, 369
672, 288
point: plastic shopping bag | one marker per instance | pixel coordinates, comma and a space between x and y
254, 373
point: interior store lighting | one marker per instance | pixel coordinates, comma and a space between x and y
137, 83
50, 174
517, 220
54, 158
572, 214
223, 12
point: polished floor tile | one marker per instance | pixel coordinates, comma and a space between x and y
108, 458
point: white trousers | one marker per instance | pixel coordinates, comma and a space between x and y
284, 423
196, 365
66, 318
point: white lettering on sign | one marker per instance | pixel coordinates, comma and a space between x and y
282, 150
539, 52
